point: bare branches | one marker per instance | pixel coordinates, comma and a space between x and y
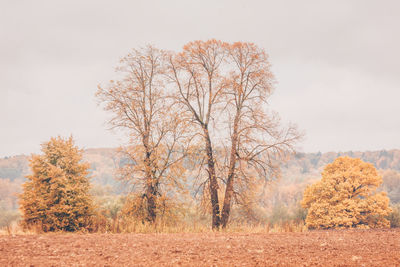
140, 103
211, 97
256, 138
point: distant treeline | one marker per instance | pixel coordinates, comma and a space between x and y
104, 161
383, 159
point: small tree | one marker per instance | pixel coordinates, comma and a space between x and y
346, 197
56, 197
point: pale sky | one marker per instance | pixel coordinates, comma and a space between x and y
337, 64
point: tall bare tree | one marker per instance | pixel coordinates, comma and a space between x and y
139, 103
212, 92
196, 73
229, 84
257, 141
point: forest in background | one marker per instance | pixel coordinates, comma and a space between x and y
278, 200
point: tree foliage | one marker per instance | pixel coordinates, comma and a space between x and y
56, 195
346, 197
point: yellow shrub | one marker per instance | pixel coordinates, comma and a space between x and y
346, 197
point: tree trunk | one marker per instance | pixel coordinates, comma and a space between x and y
151, 204
216, 219
151, 190
231, 173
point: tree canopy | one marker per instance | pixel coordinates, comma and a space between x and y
346, 197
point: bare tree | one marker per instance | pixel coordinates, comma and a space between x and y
139, 103
196, 76
212, 92
257, 141
229, 84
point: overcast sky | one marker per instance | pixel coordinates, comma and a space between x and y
337, 64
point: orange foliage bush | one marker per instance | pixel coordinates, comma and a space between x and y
346, 197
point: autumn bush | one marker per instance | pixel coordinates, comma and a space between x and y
346, 197
56, 196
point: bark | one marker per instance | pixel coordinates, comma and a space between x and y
151, 203
151, 189
231, 174
216, 218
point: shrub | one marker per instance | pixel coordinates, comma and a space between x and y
346, 197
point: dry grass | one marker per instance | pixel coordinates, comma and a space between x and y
14, 229
132, 226
286, 227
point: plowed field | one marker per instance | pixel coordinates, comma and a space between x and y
322, 248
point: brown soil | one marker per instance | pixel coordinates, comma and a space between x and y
323, 248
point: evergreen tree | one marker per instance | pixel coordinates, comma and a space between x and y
56, 197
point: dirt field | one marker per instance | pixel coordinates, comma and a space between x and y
324, 248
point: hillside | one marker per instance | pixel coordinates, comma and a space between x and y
297, 173
103, 162
314, 162
102, 165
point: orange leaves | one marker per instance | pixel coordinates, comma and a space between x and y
203, 49
346, 197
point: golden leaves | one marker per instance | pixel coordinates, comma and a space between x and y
346, 197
